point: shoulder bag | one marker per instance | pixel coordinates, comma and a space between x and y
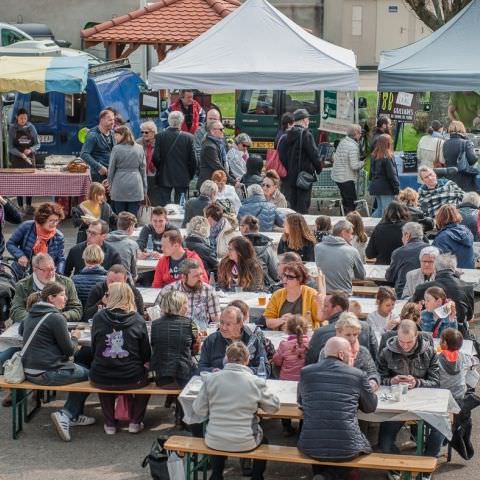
13, 368
305, 179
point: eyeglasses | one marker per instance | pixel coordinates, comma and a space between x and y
245, 146
47, 270
289, 277
53, 222
266, 185
92, 233
146, 132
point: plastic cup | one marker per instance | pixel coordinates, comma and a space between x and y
396, 392
262, 299
403, 390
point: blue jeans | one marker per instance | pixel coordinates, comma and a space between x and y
388, 433
131, 207
7, 354
383, 201
75, 401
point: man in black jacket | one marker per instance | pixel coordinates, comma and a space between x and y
96, 234
213, 155
456, 289
300, 154
196, 206
174, 159
406, 258
96, 299
330, 393
334, 305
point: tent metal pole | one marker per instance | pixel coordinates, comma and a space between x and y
1, 131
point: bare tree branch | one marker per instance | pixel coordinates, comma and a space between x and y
441, 12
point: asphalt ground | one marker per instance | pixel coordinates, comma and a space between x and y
39, 454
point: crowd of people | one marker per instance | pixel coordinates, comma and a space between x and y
338, 355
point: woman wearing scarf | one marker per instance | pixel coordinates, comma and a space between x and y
213, 155
147, 141
39, 235
8, 213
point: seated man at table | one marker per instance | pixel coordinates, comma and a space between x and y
408, 358
97, 299
339, 261
230, 398
167, 270
425, 273
203, 303
460, 292
122, 242
334, 305
405, 259
155, 229
96, 235
330, 393
44, 272
436, 192
231, 329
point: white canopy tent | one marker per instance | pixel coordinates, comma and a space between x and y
257, 47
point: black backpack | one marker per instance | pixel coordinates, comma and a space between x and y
157, 459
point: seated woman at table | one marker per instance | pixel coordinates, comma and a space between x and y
439, 312
323, 227
383, 318
48, 359
39, 235
360, 238
240, 268
263, 245
91, 274
453, 237
222, 229
227, 196
121, 348
234, 389
387, 235
297, 238
295, 298
95, 207
271, 189
409, 197
198, 232
173, 339
212, 355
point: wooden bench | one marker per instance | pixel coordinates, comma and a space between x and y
364, 291
19, 400
192, 447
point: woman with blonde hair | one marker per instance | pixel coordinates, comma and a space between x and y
94, 208
127, 175
297, 237
120, 348
360, 237
384, 183
271, 189
457, 145
409, 197
453, 237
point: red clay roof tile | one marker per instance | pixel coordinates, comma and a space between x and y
167, 21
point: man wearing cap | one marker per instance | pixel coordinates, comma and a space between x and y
301, 160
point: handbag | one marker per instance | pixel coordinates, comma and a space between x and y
157, 460
145, 212
122, 408
13, 368
305, 179
274, 163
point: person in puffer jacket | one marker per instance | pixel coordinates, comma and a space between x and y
92, 274
330, 394
256, 204
264, 248
453, 237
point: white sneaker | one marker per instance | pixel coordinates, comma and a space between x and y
62, 424
82, 421
393, 475
110, 430
136, 427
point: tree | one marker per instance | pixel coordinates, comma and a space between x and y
434, 14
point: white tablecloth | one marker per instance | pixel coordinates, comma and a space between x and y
149, 295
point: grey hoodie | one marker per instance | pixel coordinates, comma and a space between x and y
127, 248
453, 373
340, 262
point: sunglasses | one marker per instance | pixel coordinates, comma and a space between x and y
289, 277
145, 132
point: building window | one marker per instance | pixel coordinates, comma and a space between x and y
357, 21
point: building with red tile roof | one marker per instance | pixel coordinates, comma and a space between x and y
166, 24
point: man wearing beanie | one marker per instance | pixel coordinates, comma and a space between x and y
301, 160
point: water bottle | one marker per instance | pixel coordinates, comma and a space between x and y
182, 201
262, 369
211, 280
150, 243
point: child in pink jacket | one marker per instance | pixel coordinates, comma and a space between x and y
290, 357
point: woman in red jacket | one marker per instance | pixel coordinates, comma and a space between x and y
168, 267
